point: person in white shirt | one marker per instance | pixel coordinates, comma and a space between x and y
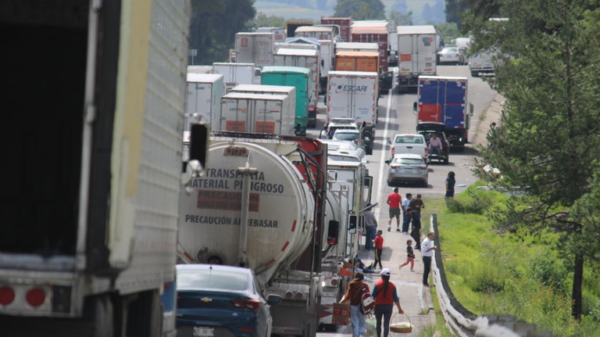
406, 217
427, 249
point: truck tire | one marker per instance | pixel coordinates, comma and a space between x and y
144, 315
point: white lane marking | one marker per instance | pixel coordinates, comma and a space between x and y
383, 154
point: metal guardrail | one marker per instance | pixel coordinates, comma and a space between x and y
464, 323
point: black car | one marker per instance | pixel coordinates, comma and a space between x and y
430, 129
386, 81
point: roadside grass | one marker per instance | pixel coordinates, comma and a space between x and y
490, 273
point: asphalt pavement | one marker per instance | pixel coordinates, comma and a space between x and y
396, 116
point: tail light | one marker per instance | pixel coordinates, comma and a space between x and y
311, 108
393, 151
246, 330
457, 55
356, 141
7, 296
334, 282
36, 297
426, 152
289, 295
299, 295
423, 167
247, 304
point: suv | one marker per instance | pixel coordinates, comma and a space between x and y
428, 130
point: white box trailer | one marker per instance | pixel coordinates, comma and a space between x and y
203, 102
319, 33
327, 56
257, 48
417, 53
482, 62
202, 69
270, 90
388, 24
278, 32
357, 46
305, 58
257, 113
353, 94
286, 45
235, 74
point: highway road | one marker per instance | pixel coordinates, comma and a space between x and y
396, 116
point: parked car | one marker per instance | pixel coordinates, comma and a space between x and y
451, 55
407, 168
430, 129
216, 300
410, 144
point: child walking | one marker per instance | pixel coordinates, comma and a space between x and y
410, 258
378, 242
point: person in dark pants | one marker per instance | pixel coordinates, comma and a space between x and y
415, 230
406, 218
378, 242
450, 182
385, 296
417, 205
371, 227
427, 250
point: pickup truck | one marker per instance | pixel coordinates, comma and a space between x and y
409, 143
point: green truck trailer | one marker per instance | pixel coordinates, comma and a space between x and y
297, 77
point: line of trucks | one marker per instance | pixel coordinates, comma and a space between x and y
92, 235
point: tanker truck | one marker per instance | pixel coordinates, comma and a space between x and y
259, 205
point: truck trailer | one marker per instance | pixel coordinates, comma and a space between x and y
88, 243
257, 113
417, 53
257, 48
343, 23
235, 74
203, 100
279, 33
377, 35
299, 78
260, 206
445, 99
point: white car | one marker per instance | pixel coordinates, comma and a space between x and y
413, 143
451, 55
350, 147
347, 135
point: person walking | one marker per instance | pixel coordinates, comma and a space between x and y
385, 296
450, 182
353, 294
410, 256
394, 200
378, 242
427, 249
406, 218
415, 230
371, 226
417, 204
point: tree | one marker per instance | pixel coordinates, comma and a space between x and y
454, 10
401, 19
360, 9
214, 25
262, 20
550, 140
400, 6
427, 13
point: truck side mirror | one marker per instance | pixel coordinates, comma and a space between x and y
333, 232
322, 63
389, 141
415, 107
199, 140
471, 108
273, 299
352, 224
297, 128
257, 72
387, 162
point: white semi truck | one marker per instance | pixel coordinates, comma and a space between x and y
90, 210
259, 205
203, 102
235, 74
417, 54
305, 58
257, 48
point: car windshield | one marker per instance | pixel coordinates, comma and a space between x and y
343, 158
408, 161
207, 279
408, 140
345, 136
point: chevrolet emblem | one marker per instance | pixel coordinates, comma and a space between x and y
206, 300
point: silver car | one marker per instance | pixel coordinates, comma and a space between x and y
407, 168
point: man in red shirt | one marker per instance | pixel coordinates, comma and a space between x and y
394, 200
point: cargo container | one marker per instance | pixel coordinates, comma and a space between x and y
417, 52
272, 90
387, 24
357, 46
257, 113
203, 100
235, 74
279, 33
444, 99
300, 78
353, 94
303, 58
257, 48
202, 69
327, 62
343, 23
317, 32
377, 35
291, 26
357, 61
